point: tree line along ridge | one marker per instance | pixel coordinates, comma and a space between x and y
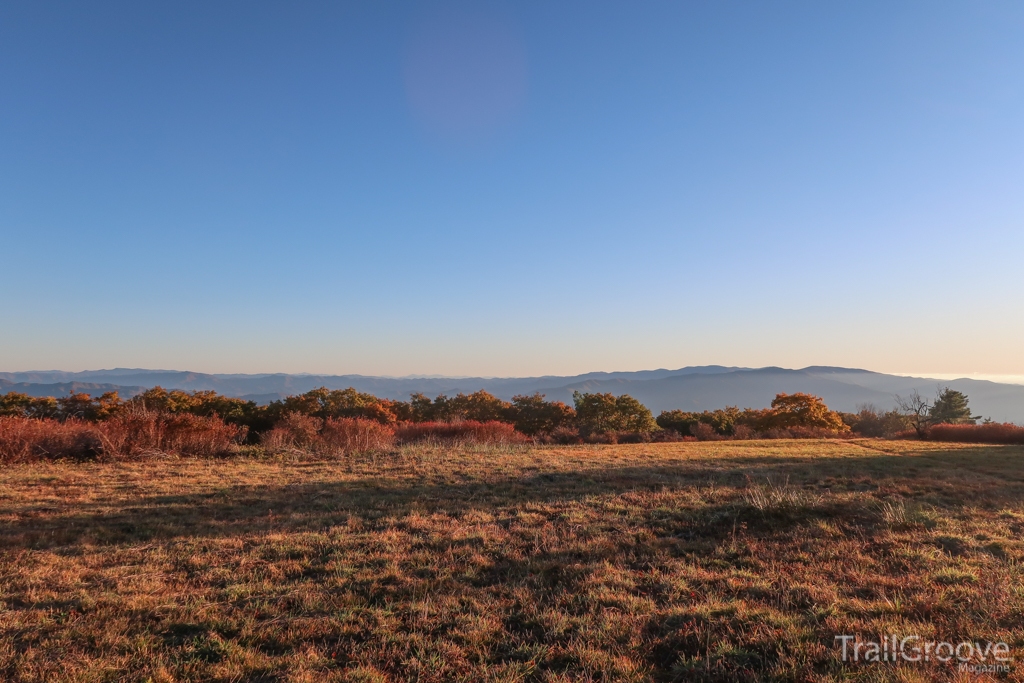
324, 421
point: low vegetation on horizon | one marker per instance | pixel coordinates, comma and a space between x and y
712, 561
322, 422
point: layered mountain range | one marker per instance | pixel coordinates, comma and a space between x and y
691, 388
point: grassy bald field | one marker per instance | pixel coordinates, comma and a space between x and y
724, 561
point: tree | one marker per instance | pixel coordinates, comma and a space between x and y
23, 405
950, 407
917, 410
421, 408
870, 421
480, 406
723, 420
605, 413
680, 421
324, 403
802, 410
533, 415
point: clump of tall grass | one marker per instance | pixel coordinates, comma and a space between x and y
995, 432
467, 431
773, 497
143, 431
26, 440
332, 436
126, 435
898, 513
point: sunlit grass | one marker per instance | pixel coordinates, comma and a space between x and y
709, 561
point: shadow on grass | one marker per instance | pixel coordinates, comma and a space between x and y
975, 476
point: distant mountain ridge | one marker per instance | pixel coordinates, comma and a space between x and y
64, 388
689, 388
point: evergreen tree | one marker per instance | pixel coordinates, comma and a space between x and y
951, 407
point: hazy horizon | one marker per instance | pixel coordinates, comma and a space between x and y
1004, 379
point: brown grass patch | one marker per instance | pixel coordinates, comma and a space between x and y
725, 561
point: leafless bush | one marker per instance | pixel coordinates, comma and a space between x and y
333, 436
562, 436
705, 432
139, 432
355, 435
126, 435
744, 433
467, 431
294, 431
24, 439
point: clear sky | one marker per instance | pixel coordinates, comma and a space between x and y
512, 189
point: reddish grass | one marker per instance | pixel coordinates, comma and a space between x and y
333, 436
142, 432
563, 436
293, 431
468, 431
356, 435
1004, 433
25, 440
127, 435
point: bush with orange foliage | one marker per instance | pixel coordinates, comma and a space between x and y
801, 411
993, 432
468, 431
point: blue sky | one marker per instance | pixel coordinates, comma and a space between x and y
512, 189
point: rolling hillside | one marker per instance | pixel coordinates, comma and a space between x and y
690, 388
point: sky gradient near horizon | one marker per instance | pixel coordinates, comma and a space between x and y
512, 189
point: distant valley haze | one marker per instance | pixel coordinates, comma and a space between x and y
690, 388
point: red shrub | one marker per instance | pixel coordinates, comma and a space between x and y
145, 431
125, 435
805, 433
562, 436
188, 434
332, 436
983, 433
669, 436
606, 438
25, 439
743, 433
468, 431
293, 431
356, 435
705, 432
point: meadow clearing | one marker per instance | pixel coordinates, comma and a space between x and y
723, 561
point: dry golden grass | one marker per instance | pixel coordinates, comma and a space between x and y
690, 561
